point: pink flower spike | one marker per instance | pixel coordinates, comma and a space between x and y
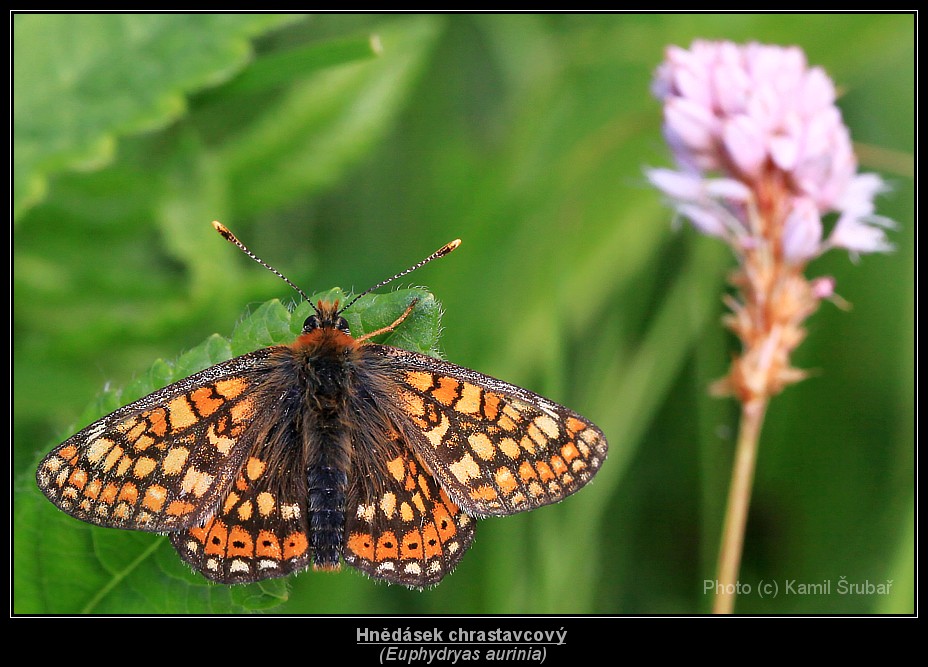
763, 157
802, 232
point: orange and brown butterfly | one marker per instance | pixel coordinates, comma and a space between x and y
331, 448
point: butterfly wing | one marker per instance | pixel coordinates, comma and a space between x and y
400, 525
495, 448
163, 462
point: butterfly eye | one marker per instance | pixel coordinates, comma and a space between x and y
342, 325
311, 323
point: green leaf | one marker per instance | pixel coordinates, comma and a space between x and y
276, 69
65, 566
270, 324
82, 80
419, 332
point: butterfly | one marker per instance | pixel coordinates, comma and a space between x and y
329, 449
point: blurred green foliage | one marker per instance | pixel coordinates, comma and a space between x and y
342, 148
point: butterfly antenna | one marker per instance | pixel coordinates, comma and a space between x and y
229, 236
441, 252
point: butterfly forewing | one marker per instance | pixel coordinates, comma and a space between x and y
163, 462
496, 448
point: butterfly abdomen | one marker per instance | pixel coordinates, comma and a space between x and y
327, 490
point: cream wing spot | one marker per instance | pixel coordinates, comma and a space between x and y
265, 502
482, 446
196, 482
388, 504
465, 469
223, 444
436, 435
548, 426
174, 461
469, 402
366, 512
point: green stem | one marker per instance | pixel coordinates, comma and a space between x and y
739, 499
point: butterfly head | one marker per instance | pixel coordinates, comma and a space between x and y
327, 316
326, 331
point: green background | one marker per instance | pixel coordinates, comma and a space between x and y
527, 137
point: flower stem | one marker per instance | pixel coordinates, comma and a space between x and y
739, 498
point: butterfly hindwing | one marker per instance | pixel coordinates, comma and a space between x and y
258, 532
400, 525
